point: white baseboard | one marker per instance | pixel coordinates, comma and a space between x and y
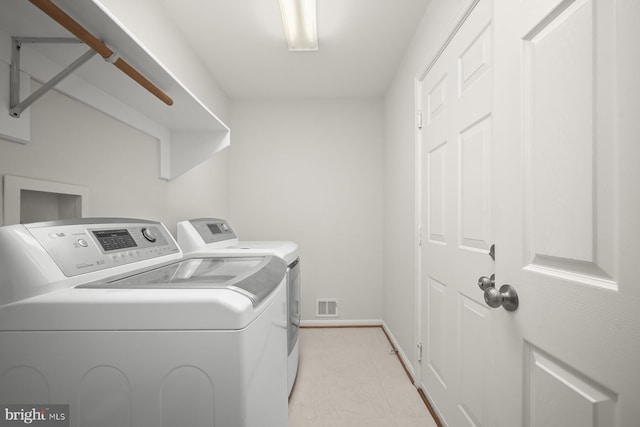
403, 356
341, 322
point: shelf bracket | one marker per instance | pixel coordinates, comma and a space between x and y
15, 106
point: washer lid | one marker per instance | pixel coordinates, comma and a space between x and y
254, 277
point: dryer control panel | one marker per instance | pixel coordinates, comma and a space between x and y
96, 244
212, 230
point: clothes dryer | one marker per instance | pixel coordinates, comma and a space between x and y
215, 236
108, 317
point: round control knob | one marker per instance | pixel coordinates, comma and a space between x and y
148, 234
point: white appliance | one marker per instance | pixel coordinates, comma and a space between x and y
108, 317
215, 236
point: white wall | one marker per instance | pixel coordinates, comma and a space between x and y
311, 171
400, 240
73, 143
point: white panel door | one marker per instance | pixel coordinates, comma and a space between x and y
567, 222
456, 220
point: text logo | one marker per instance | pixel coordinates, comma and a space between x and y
34, 415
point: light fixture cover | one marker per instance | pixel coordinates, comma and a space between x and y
299, 20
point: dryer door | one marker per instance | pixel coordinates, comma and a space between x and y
293, 298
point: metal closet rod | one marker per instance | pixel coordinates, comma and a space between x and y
96, 44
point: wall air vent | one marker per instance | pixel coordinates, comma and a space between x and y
326, 308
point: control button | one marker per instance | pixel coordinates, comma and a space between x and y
83, 243
148, 234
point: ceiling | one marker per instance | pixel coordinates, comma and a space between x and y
241, 42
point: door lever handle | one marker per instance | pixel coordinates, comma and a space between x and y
506, 297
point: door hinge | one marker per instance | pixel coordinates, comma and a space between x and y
419, 118
419, 345
420, 236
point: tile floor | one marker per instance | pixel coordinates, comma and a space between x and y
347, 378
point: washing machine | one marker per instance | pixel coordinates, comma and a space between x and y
107, 318
215, 236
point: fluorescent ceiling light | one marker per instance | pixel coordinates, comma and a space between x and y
299, 19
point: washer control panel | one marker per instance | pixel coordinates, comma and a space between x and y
79, 248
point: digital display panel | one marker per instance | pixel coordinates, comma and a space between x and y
215, 228
112, 240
